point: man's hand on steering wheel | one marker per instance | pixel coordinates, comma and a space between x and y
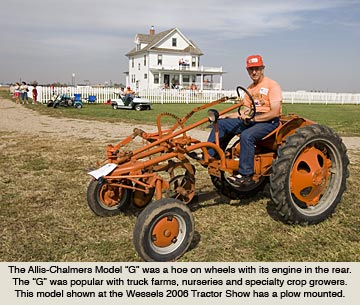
245, 113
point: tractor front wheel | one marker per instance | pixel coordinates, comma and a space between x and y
309, 175
107, 200
164, 230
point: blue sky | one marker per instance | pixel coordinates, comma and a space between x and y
306, 44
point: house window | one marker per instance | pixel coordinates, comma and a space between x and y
156, 78
145, 76
193, 61
159, 59
144, 60
139, 67
132, 62
138, 47
174, 42
132, 78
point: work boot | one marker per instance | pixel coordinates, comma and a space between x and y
242, 180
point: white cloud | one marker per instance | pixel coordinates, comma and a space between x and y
228, 18
83, 31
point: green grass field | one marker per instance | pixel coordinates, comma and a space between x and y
45, 217
344, 119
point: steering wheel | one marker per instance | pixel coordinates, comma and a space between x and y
252, 108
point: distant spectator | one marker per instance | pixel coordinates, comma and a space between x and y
193, 87
34, 94
178, 86
122, 92
17, 93
24, 93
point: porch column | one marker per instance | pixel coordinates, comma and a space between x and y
202, 82
221, 82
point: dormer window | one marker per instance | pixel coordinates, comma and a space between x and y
174, 42
138, 47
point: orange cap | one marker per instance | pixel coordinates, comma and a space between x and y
254, 61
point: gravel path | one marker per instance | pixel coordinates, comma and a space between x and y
17, 118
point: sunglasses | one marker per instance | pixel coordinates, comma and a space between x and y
255, 69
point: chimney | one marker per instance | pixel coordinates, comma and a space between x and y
152, 30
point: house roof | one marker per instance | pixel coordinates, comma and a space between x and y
153, 40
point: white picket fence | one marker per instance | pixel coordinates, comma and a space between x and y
174, 96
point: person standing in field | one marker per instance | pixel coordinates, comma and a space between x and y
34, 94
17, 93
24, 93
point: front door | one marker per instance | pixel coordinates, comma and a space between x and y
167, 79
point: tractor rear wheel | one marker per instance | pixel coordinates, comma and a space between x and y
164, 230
106, 200
309, 175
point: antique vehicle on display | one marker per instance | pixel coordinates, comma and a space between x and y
130, 102
305, 164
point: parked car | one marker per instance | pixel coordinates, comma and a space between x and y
128, 102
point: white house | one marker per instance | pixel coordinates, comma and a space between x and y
169, 59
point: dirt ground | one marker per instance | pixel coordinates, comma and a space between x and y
17, 118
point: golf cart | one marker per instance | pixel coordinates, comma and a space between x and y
129, 102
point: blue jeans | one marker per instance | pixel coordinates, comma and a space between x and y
24, 96
250, 134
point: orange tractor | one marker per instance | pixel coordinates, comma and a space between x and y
305, 163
